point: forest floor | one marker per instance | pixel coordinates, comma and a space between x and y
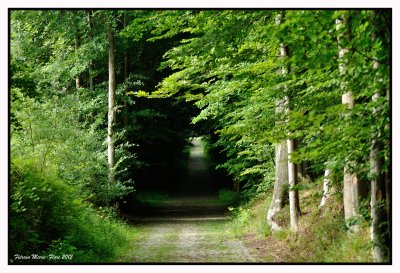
191, 226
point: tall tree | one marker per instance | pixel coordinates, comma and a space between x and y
379, 219
351, 183
111, 103
89, 15
281, 156
78, 79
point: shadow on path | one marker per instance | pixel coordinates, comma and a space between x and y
196, 198
191, 226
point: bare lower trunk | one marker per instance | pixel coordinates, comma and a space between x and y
379, 219
111, 105
327, 188
302, 171
281, 180
293, 191
351, 200
78, 80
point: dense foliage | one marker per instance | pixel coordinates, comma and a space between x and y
230, 65
183, 73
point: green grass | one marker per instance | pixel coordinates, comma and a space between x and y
322, 237
49, 218
151, 198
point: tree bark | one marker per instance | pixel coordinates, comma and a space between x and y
379, 219
302, 171
281, 158
294, 202
281, 179
111, 104
91, 65
78, 80
351, 183
327, 187
125, 78
293, 191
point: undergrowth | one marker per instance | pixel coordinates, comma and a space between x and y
322, 238
50, 223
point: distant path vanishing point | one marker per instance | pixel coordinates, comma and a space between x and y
190, 227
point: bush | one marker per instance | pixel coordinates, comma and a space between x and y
52, 137
228, 197
48, 218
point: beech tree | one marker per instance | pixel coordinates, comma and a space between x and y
266, 93
379, 217
111, 102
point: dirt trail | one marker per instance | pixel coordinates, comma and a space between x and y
191, 227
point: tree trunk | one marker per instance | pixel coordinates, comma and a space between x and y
281, 179
111, 104
125, 78
379, 219
327, 187
91, 65
351, 183
78, 80
293, 192
294, 203
302, 171
281, 171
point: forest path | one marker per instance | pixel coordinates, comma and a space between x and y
191, 226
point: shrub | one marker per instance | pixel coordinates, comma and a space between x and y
47, 217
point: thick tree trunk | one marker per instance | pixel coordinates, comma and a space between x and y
352, 189
379, 219
111, 104
285, 171
281, 180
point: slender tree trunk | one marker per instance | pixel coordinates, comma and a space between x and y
302, 166
327, 190
294, 203
111, 104
302, 171
379, 219
91, 65
125, 78
293, 192
78, 80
